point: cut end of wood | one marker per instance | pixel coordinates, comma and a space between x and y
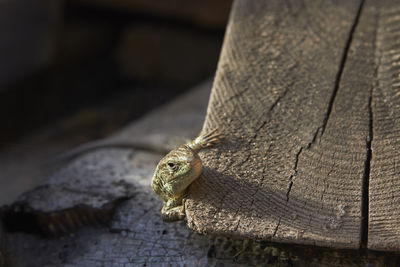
307, 96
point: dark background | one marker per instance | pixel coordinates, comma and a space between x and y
74, 71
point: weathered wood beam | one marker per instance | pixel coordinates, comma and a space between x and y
308, 96
384, 182
296, 119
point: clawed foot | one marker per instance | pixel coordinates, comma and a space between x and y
173, 214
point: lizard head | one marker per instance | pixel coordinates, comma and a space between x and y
176, 171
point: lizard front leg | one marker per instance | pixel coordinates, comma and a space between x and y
173, 210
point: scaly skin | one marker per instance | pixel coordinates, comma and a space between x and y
176, 171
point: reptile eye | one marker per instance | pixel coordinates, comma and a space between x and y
171, 165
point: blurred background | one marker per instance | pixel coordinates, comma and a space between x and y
77, 70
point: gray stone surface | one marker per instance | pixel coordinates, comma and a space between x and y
94, 179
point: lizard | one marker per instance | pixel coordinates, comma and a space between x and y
176, 171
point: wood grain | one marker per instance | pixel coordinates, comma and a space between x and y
295, 114
384, 187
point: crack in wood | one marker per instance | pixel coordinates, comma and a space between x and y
366, 176
294, 174
325, 121
289, 187
276, 228
237, 225
314, 138
264, 122
341, 67
367, 170
236, 95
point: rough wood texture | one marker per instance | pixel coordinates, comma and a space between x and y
384, 186
307, 95
292, 168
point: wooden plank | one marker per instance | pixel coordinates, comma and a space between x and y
291, 168
384, 187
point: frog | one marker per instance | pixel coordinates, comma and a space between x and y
177, 171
